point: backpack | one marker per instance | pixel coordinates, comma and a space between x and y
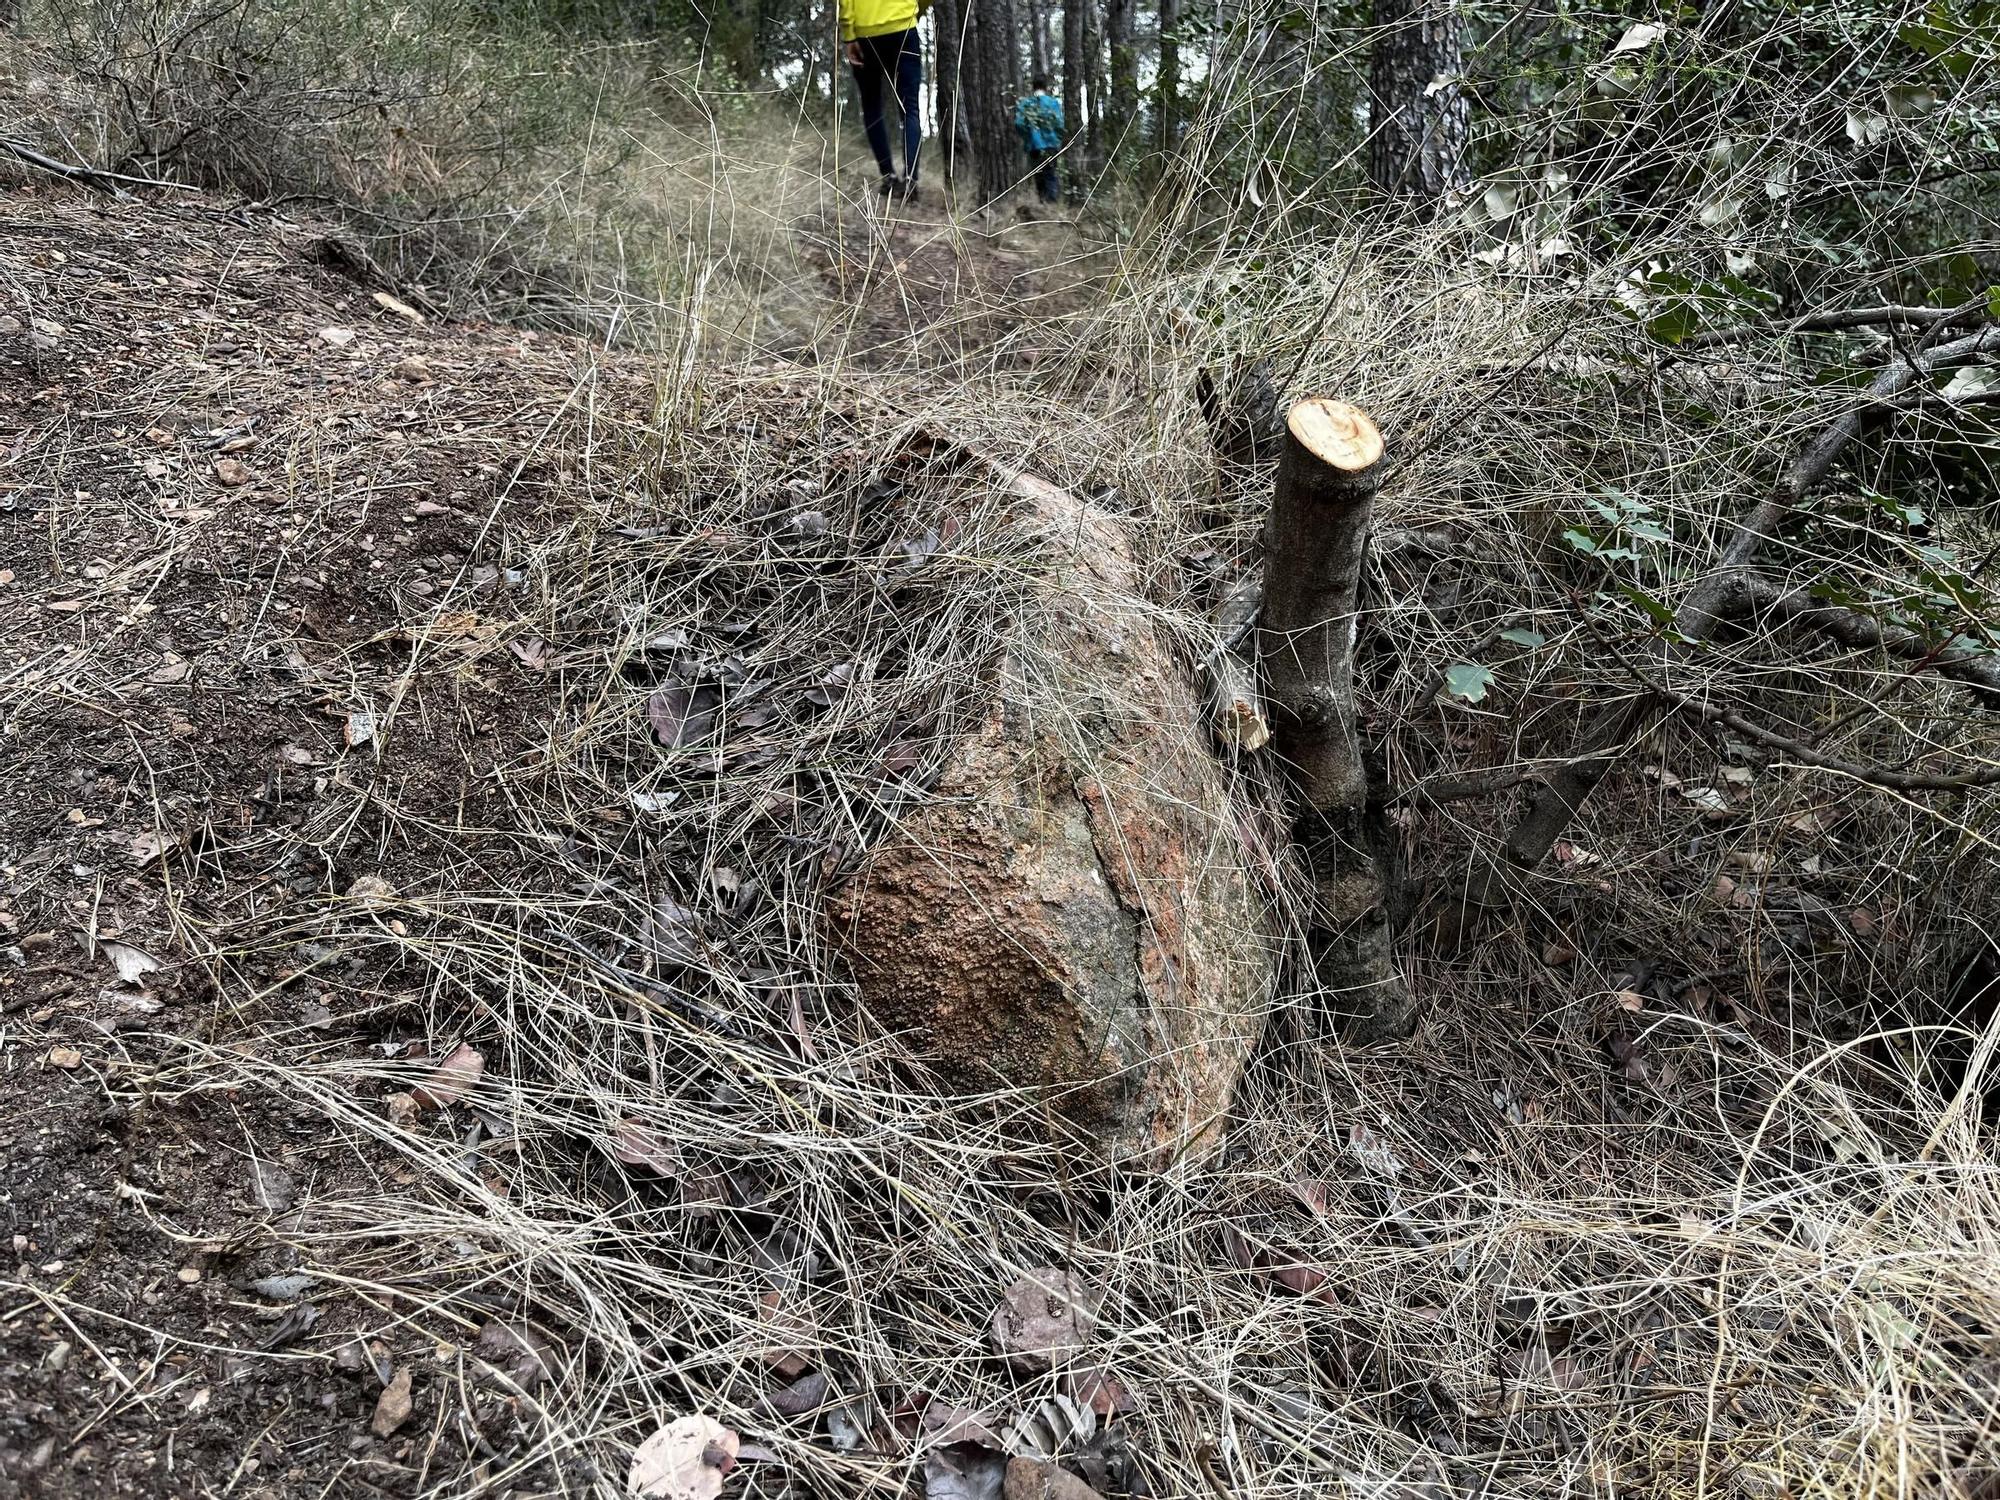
1042, 118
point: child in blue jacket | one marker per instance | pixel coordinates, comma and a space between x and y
1038, 119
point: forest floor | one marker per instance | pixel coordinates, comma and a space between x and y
227, 471
235, 486
328, 630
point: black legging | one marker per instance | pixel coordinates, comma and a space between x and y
898, 56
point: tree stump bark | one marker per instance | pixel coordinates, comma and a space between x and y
1316, 548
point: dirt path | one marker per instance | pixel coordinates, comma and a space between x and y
927, 292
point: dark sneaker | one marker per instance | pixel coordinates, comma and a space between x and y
892, 186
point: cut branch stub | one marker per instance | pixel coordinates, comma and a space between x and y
1316, 544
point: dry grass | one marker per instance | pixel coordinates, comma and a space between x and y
1659, 1201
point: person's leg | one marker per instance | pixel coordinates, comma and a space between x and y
910, 97
1051, 184
868, 83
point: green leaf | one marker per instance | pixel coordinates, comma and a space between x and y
1675, 324
1532, 639
1960, 589
1468, 680
1660, 613
1583, 541
1734, 286
1909, 515
1993, 303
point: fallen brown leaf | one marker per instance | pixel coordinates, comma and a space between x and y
685, 1460
636, 1145
1098, 1390
454, 1079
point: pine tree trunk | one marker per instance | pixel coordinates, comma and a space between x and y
1038, 40
985, 96
1418, 134
1076, 33
947, 21
1124, 57
1167, 110
1100, 104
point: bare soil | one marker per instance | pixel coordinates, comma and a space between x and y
229, 479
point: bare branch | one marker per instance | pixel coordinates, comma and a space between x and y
1882, 776
1565, 792
1959, 657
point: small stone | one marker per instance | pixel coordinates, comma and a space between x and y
271, 1187
393, 1407
371, 891
65, 1057
188, 1275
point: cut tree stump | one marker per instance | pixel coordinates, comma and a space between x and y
1316, 547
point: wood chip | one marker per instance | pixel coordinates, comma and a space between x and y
398, 306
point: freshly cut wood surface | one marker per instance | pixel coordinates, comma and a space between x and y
1336, 433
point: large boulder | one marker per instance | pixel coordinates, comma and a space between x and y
1075, 912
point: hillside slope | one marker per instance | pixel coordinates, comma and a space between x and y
428, 747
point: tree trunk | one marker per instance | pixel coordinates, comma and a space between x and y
1419, 116
1167, 109
1316, 545
1076, 34
1123, 108
993, 59
947, 68
1100, 104
1017, 80
1038, 40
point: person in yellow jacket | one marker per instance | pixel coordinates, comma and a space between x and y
884, 52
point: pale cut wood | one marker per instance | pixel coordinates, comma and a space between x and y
1337, 434
1235, 707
